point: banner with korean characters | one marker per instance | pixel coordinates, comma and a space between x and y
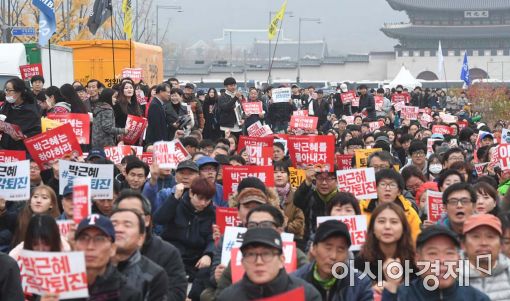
400, 97
409, 112
344, 162
227, 217
79, 122
303, 122
296, 177
503, 154
262, 141
434, 206
82, 200
281, 95
252, 108
259, 130
233, 175
117, 153
15, 181
7, 156
357, 225
442, 129
28, 71
312, 150
101, 177
361, 156
258, 155
136, 74
359, 182
169, 154
348, 97
135, 125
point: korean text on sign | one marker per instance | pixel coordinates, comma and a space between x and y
357, 225
101, 174
245, 141
252, 108
258, 155
227, 217
434, 205
56, 272
360, 182
303, 122
233, 175
169, 154
136, 126
348, 97
7, 156
15, 181
82, 203
281, 95
79, 122
312, 150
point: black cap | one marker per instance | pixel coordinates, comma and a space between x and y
332, 228
433, 231
200, 93
320, 91
188, 164
263, 236
251, 182
189, 86
229, 81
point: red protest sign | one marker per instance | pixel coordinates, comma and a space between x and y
357, 225
409, 112
297, 294
7, 156
434, 205
170, 154
360, 182
348, 97
375, 125
402, 97
117, 153
82, 205
462, 124
227, 217
503, 154
344, 162
304, 122
259, 155
252, 108
312, 150
441, 129
136, 74
259, 130
140, 97
10, 129
246, 140
300, 113
28, 71
233, 175
135, 126
79, 122
147, 158
379, 100
399, 105
52, 145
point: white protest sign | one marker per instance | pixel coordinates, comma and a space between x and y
281, 95
360, 182
101, 174
169, 154
505, 136
15, 180
357, 225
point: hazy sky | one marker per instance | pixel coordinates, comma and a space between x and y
349, 26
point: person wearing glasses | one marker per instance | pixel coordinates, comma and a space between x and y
418, 154
265, 275
459, 201
20, 109
390, 185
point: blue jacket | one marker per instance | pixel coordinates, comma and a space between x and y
153, 192
360, 290
415, 291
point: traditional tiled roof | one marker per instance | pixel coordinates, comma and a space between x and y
450, 4
446, 32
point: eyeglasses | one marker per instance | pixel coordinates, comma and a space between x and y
463, 201
456, 159
251, 257
418, 154
97, 240
388, 185
263, 224
9, 90
325, 179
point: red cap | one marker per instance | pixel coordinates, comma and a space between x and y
478, 220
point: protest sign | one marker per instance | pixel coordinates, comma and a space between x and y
52, 145
409, 112
503, 154
348, 97
296, 177
357, 225
400, 97
7, 156
259, 130
82, 203
379, 101
505, 136
140, 97
399, 105
344, 161
480, 168
246, 140
359, 182
169, 154
233, 175
434, 205
303, 122
375, 125
136, 74
28, 71
258, 155
15, 181
227, 217
135, 126
425, 119
281, 95
65, 226
62, 273
48, 124
101, 177
300, 113
297, 294
11, 129
117, 153
441, 129
252, 108
147, 158
312, 150
464, 124
448, 118
362, 155
79, 122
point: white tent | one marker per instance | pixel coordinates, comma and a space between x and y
406, 79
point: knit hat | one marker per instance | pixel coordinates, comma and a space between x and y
253, 183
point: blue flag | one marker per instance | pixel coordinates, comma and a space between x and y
47, 21
464, 73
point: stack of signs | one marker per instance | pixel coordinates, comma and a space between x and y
359, 182
357, 225
7, 156
317, 150
79, 122
62, 273
169, 154
252, 108
10, 129
82, 203
409, 112
281, 95
233, 175
136, 126
434, 206
304, 122
15, 181
259, 130
101, 177
117, 153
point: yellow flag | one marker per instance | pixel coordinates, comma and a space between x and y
128, 18
273, 27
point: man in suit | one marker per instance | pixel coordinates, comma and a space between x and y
157, 128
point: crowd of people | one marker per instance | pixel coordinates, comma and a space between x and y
158, 238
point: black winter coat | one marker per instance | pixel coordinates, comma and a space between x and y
172, 116
367, 101
227, 115
10, 281
27, 117
157, 127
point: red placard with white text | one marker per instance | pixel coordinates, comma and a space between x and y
65, 227
117, 153
79, 122
7, 156
348, 97
409, 112
28, 71
403, 97
82, 204
434, 205
360, 182
170, 154
147, 158
135, 126
227, 217
312, 150
357, 225
303, 122
344, 161
252, 108
503, 154
462, 125
399, 105
441, 129
52, 145
233, 175
375, 125
259, 155
379, 100
246, 140
300, 113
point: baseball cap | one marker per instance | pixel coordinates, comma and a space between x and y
189, 86
207, 160
332, 228
437, 136
188, 164
248, 195
67, 190
264, 236
383, 138
486, 135
477, 220
433, 231
98, 221
96, 153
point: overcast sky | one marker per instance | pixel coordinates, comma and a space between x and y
347, 28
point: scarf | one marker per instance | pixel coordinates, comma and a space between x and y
326, 284
283, 192
326, 198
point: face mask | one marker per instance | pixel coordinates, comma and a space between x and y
435, 168
10, 99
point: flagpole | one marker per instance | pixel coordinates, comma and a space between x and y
445, 78
274, 52
130, 66
49, 54
113, 46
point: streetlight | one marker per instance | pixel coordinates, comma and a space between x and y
271, 13
178, 8
316, 20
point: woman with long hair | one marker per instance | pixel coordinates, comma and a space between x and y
71, 97
126, 104
211, 127
55, 101
104, 131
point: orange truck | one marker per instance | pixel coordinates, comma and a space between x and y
93, 59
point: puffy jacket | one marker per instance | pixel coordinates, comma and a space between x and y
27, 117
295, 216
497, 285
104, 131
167, 256
146, 276
367, 206
415, 291
343, 290
247, 290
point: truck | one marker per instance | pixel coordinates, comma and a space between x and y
104, 61
18, 54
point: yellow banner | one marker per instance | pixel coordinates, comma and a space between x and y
361, 156
297, 176
49, 124
128, 18
273, 26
